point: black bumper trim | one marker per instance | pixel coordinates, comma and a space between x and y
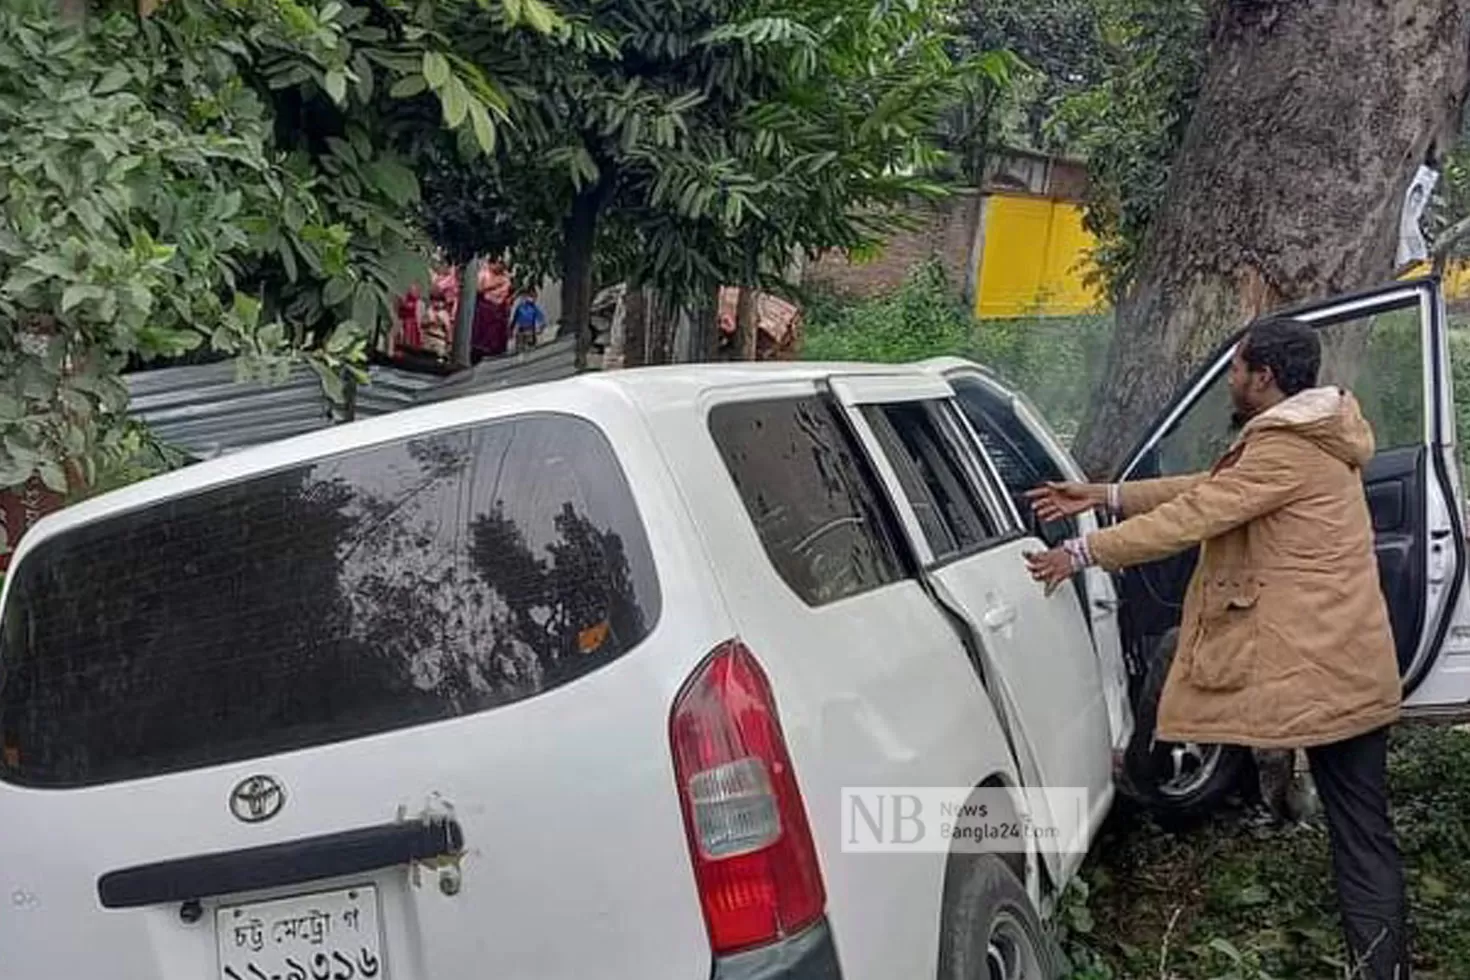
810, 955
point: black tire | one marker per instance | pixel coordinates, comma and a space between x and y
990, 930
1175, 781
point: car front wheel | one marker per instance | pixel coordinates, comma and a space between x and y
1175, 779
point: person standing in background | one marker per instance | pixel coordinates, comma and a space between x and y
490, 336
527, 319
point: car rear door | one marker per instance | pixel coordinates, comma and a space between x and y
1390, 347
393, 711
1036, 656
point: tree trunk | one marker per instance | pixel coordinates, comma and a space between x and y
462, 344
747, 325
1312, 118
579, 234
635, 327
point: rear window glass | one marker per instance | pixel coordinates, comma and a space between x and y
376, 590
815, 504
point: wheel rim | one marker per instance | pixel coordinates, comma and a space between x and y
1185, 767
1010, 953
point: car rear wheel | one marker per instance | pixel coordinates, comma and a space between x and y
990, 930
1175, 779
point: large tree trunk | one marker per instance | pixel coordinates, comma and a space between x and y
1312, 118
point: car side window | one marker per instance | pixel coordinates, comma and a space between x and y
948, 506
817, 506
1019, 457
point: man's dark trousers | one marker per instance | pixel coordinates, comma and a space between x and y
1352, 783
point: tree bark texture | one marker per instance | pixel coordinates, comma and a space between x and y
635, 327
1312, 118
579, 235
747, 327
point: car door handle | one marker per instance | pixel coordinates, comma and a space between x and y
999, 617
1107, 605
291, 862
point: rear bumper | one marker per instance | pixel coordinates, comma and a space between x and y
810, 955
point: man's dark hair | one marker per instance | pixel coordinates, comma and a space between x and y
1290, 348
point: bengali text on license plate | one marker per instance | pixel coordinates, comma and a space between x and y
327, 936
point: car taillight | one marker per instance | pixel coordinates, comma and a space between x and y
754, 860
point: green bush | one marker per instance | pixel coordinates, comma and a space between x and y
1056, 361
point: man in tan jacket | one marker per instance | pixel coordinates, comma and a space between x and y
1284, 640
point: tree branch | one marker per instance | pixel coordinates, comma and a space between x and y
1452, 236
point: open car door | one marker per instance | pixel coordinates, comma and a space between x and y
1033, 651
1027, 453
1390, 347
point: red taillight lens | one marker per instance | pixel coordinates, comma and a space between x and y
753, 856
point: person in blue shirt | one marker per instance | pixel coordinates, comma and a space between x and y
527, 319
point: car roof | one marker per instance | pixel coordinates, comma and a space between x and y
675, 386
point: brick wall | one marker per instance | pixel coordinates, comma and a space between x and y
943, 229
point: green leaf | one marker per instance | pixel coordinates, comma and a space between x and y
78, 293
35, 383
342, 339
332, 384
337, 290
11, 409
247, 309
288, 259
1226, 948
1252, 895
112, 80
336, 85
74, 440
78, 405
364, 71
24, 278
50, 264
294, 214
539, 16
406, 88
455, 101
365, 307
396, 181
13, 473
484, 129
114, 395
53, 476
436, 69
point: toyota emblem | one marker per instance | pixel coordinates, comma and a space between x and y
257, 798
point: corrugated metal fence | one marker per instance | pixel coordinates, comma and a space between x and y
204, 411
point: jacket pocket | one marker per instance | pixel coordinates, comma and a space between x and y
1225, 647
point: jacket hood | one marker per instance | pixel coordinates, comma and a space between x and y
1328, 416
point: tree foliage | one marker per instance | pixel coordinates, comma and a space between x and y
224, 178
1129, 121
1047, 50
704, 143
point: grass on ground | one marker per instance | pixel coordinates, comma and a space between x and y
1223, 900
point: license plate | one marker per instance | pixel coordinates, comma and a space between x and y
325, 936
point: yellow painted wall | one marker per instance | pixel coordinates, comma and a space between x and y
1033, 260
1456, 279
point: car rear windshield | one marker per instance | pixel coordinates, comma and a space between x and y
384, 588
